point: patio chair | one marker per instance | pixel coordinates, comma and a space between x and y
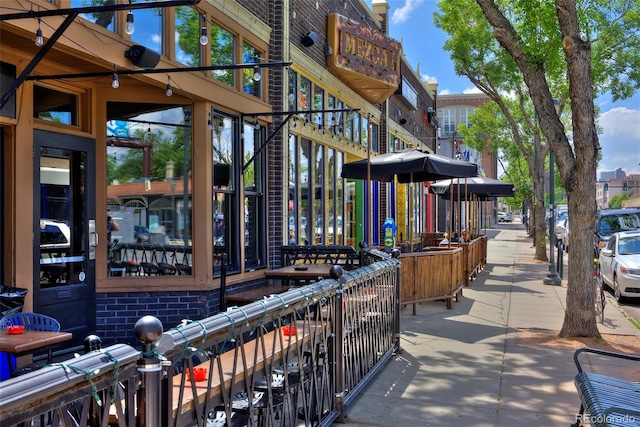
32, 322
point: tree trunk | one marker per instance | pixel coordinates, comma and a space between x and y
579, 177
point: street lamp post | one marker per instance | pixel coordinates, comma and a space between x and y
552, 278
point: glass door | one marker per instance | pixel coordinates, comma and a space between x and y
64, 231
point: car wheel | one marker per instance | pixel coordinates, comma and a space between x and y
616, 290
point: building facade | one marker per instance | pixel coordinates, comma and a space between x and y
453, 111
139, 141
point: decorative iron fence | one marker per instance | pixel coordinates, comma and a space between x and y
274, 362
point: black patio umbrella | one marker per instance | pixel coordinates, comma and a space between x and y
410, 165
480, 186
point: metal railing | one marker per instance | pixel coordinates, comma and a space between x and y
274, 362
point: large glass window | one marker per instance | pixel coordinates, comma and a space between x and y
251, 77
293, 87
224, 203
222, 53
104, 19
149, 191
149, 28
254, 201
317, 194
304, 196
187, 31
318, 104
304, 95
448, 120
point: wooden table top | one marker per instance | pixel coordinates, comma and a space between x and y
300, 271
257, 293
30, 340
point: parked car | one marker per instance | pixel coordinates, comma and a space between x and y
614, 220
141, 234
620, 264
54, 234
504, 217
562, 233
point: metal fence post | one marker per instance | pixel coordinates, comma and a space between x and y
396, 254
148, 330
336, 273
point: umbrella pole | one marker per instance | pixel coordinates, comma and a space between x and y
369, 230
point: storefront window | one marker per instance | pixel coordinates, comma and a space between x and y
317, 194
338, 160
225, 223
149, 191
356, 129
293, 87
318, 104
375, 137
188, 23
304, 196
254, 203
365, 131
222, 53
304, 95
250, 55
348, 132
293, 192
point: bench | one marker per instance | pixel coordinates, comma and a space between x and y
607, 400
342, 255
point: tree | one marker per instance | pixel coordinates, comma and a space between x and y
616, 201
546, 41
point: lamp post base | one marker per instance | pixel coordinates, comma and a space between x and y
552, 277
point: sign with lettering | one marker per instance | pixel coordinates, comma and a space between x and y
364, 58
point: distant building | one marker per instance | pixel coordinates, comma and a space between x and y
454, 110
627, 184
616, 174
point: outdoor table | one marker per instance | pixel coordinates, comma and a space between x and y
307, 272
256, 294
23, 345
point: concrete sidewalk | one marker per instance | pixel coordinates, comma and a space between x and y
462, 367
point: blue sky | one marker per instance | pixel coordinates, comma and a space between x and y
411, 22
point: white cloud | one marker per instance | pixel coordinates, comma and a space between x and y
427, 78
472, 89
403, 13
620, 140
445, 92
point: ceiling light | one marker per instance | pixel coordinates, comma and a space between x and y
128, 27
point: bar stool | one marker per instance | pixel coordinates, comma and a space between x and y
259, 405
297, 378
310, 390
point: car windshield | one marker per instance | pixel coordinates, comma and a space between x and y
612, 223
629, 246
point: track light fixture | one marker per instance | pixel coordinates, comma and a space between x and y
128, 26
257, 76
169, 91
39, 38
115, 83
